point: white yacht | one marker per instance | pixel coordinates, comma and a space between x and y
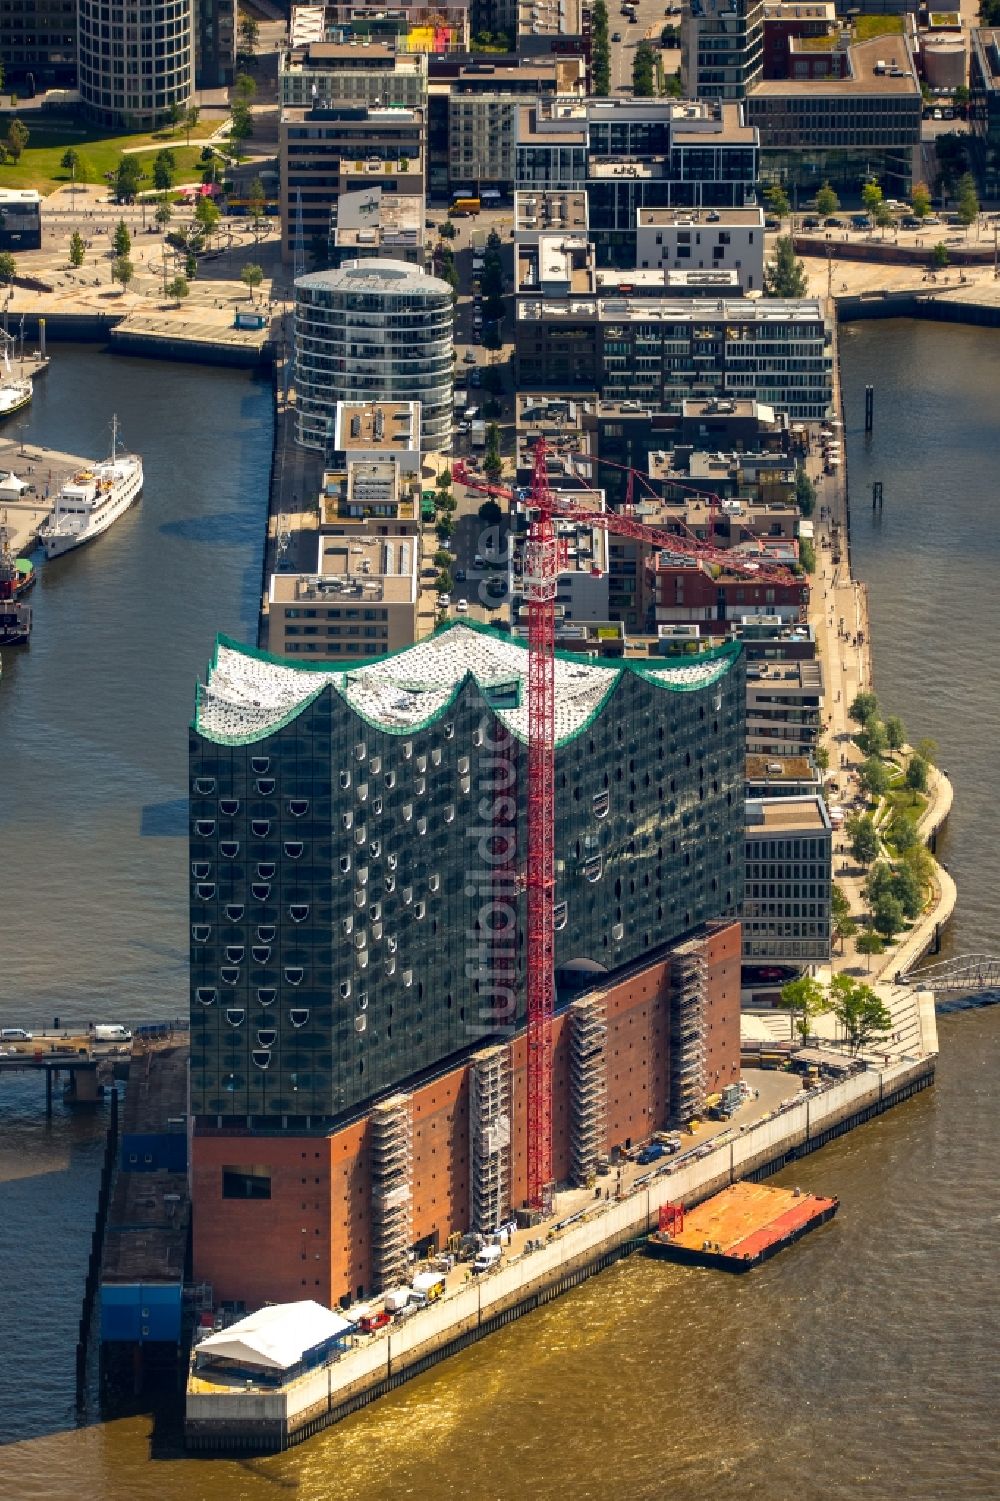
94, 498
15, 391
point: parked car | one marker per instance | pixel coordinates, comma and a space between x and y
833, 222
810, 222
772, 223
468, 357
461, 606
373, 1322
444, 601
616, 36
459, 575
651, 1153
475, 379
910, 221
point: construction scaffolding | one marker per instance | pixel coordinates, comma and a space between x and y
391, 1153
588, 1041
689, 977
489, 1131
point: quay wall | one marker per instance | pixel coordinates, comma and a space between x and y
223, 1421
913, 304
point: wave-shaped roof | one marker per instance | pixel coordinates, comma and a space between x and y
249, 694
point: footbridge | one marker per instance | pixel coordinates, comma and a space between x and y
967, 974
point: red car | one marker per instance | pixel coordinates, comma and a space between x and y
373, 1322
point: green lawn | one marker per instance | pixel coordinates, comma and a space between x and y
40, 168
865, 28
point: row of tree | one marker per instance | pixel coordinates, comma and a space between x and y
600, 57
862, 1016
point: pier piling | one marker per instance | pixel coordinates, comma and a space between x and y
877, 495
869, 408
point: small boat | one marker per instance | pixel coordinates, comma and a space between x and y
88, 503
15, 617
15, 392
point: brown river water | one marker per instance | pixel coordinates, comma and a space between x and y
861, 1364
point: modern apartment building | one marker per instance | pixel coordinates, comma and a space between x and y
360, 600
789, 854
327, 74
722, 48
483, 103
689, 591
984, 107
357, 942
38, 41
370, 222
373, 331
326, 152
136, 59
659, 352
703, 240
784, 708
861, 120
630, 154
215, 44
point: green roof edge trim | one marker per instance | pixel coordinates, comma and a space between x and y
724, 655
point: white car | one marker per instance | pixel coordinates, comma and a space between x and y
444, 601
462, 606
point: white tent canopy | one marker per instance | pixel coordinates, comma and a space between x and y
275, 1338
11, 485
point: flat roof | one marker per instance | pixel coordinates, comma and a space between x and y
667, 310
379, 426
790, 769
719, 218
376, 274
986, 40
23, 196
891, 50
786, 814
369, 215
547, 209
360, 570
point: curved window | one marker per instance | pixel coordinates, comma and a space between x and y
201, 869
297, 806
267, 1037
260, 764
206, 994
234, 911
229, 806
235, 952
235, 1015
266, 870
266, 932
294, 848
201, 932
593, 868
260, 953
298, 1016
204, 786
265, 786
230, 974
267, 994
294, 974
261, 1057
298, 911
345, 989
347, 819
229, 848
260, 827
260, 890
345, 780
205, 890
204, 827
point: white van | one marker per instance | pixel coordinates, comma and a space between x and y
487, 1259
15, 1034
112, 1033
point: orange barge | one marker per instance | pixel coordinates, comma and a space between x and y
740, 1227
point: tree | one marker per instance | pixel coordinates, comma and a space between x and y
874, 777
864, 839
249, 34
860, 1012
887, 916
863, 707
785, 275
869, 942
122, 270
968, 200
902, 834
18, 136
443, 558
122, 242
8, 267
70, 159
805, 491
128, 176
178, 289
447, 230
821, 756
805, 999
926, 749
907, 890
916, 775
444, 528
961, 97
241, 123
871, 738
164, 213
207, 216
871, 196
252, 275
827, 201
884, 217
163, 171
920, 200
191, 117
493, 466
807, 555
600, 63
844, 927
175, 114
256, 203
77, 249
190, 266
895, 732
777, 200
490, 513
840, 905
443, 582
644, 71
244, 87
940, 257
920, 860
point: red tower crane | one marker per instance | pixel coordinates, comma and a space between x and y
541, 568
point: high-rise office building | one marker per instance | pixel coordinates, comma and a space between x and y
136, 60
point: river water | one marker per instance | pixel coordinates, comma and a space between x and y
860, 1365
